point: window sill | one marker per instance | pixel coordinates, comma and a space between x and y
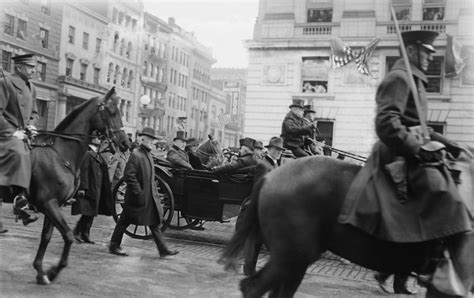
439, 97
327, 96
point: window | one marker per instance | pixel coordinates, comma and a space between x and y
128, 111
130, 79
128, 54
319, 15
6, 60
110, 72
433, 10
96, 75
145, 67
69, 65
41, 67
44, 34
21, 32
439, 127
116, 74
71, 34
46, 7
402, 10
85, 40
122, 46
124, 77
326, 129
83, 72
434, 75
42, 106
98, 44
9, 26
315, 75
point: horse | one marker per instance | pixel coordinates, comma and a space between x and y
56, 157
295, 209
210, 152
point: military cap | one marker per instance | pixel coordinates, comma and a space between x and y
297, 103
28, 59
148, 131
423, 38
247, 142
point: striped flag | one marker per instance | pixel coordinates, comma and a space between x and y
342, 55
454, 63
224, 119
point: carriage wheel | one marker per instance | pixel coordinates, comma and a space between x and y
181, 222
167, 203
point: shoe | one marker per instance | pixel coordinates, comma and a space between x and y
381, 279
400, 285
29, 219
117, 250
20, 203
168, 253
77, 236
86, 239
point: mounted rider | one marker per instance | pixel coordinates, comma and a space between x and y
405, 192
18, 116
294, 129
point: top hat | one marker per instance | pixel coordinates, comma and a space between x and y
420, 37
180, 135
276, 142
192, 142
297, 103
28, 59
149, 132
247, 142
309, 109
258, 145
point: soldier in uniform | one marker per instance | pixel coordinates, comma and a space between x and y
246, 158
294, 129
420, 201
176, 155
18, 115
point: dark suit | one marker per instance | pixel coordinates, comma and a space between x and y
293, 130
241, 162
178, 158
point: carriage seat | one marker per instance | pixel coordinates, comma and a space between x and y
162, 161
241, 175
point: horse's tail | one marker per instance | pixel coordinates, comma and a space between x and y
248, 230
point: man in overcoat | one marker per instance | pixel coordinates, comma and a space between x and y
18, 117
246, 158
176, 155
294, 128
309, 141
191, 148
94, 195
405, 192
142, 204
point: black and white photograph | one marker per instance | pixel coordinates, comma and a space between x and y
237, 148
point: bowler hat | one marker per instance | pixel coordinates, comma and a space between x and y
258, 145
180, 135
297, 103
192, 142
247, 142
309, 109
148, 131
423, 38
28, 59
276, 142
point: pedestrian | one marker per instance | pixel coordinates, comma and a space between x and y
142, 206
294, 128
18, 117
245, 159
176, 155
94, 195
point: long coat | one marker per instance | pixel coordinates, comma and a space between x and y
17, 109
142, 203
241, 162
94, 181
293, 129
178, 158
434, 208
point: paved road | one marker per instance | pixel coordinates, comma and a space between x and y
92, 271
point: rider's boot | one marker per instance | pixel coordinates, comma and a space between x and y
20, 205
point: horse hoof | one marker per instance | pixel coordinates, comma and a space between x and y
42, 280
52, 273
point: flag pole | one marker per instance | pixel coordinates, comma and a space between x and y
414, 90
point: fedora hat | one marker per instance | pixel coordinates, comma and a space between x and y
276, 142
180, 135
423, 38
297, 103
148, 131
192, 142
309, 109
247, 142
258, 145
28, 59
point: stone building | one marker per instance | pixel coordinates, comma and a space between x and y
290, 57
34, 27
217, 126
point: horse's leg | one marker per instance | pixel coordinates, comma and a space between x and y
291, 281
54, 213
269, 278
41, 277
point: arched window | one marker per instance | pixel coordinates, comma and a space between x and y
152, 70
130, 79
145, 68
160, 75
116, 41
116, 74
158, 69
129, 50
124, 77
110, 72
122, 46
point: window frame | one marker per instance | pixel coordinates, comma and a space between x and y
85, 40
398, 12
98, 45
41, 67
71, 35
45, 39
96, 76
83, 72
7, 60
69, 62
10, 25
19, 27
435, 8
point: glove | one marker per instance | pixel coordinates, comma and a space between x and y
431, 156
81, 193
31, 129
19, 134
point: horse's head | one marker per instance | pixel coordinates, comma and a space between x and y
208, 150
109, 120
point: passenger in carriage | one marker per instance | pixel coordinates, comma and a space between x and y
246, 158
227, 154
176, 155
258, 152
309, 141
192, 145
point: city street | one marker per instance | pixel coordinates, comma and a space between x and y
92, 271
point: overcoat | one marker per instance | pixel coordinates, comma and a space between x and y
17, 109
142, 203
178, 157
241, 162
293, 129
95, 182
194, 160
434, 208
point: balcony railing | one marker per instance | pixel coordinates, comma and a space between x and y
437, 26
81, 83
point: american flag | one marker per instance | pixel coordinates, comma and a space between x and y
342, 55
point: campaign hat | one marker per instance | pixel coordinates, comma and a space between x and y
276, 142
297, 103
28, 59
180, 135
148, 131
423, 38
248, 142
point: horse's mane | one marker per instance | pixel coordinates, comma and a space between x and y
73, 114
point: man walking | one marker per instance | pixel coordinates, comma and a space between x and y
142, 204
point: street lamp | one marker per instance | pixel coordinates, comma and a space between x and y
145, 100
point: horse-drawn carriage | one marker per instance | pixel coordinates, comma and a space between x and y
191, 197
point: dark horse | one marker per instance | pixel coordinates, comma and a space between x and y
296, 208
210, 152
56, 159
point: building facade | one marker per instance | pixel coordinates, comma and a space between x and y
290, 57
34, 27
218, 105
